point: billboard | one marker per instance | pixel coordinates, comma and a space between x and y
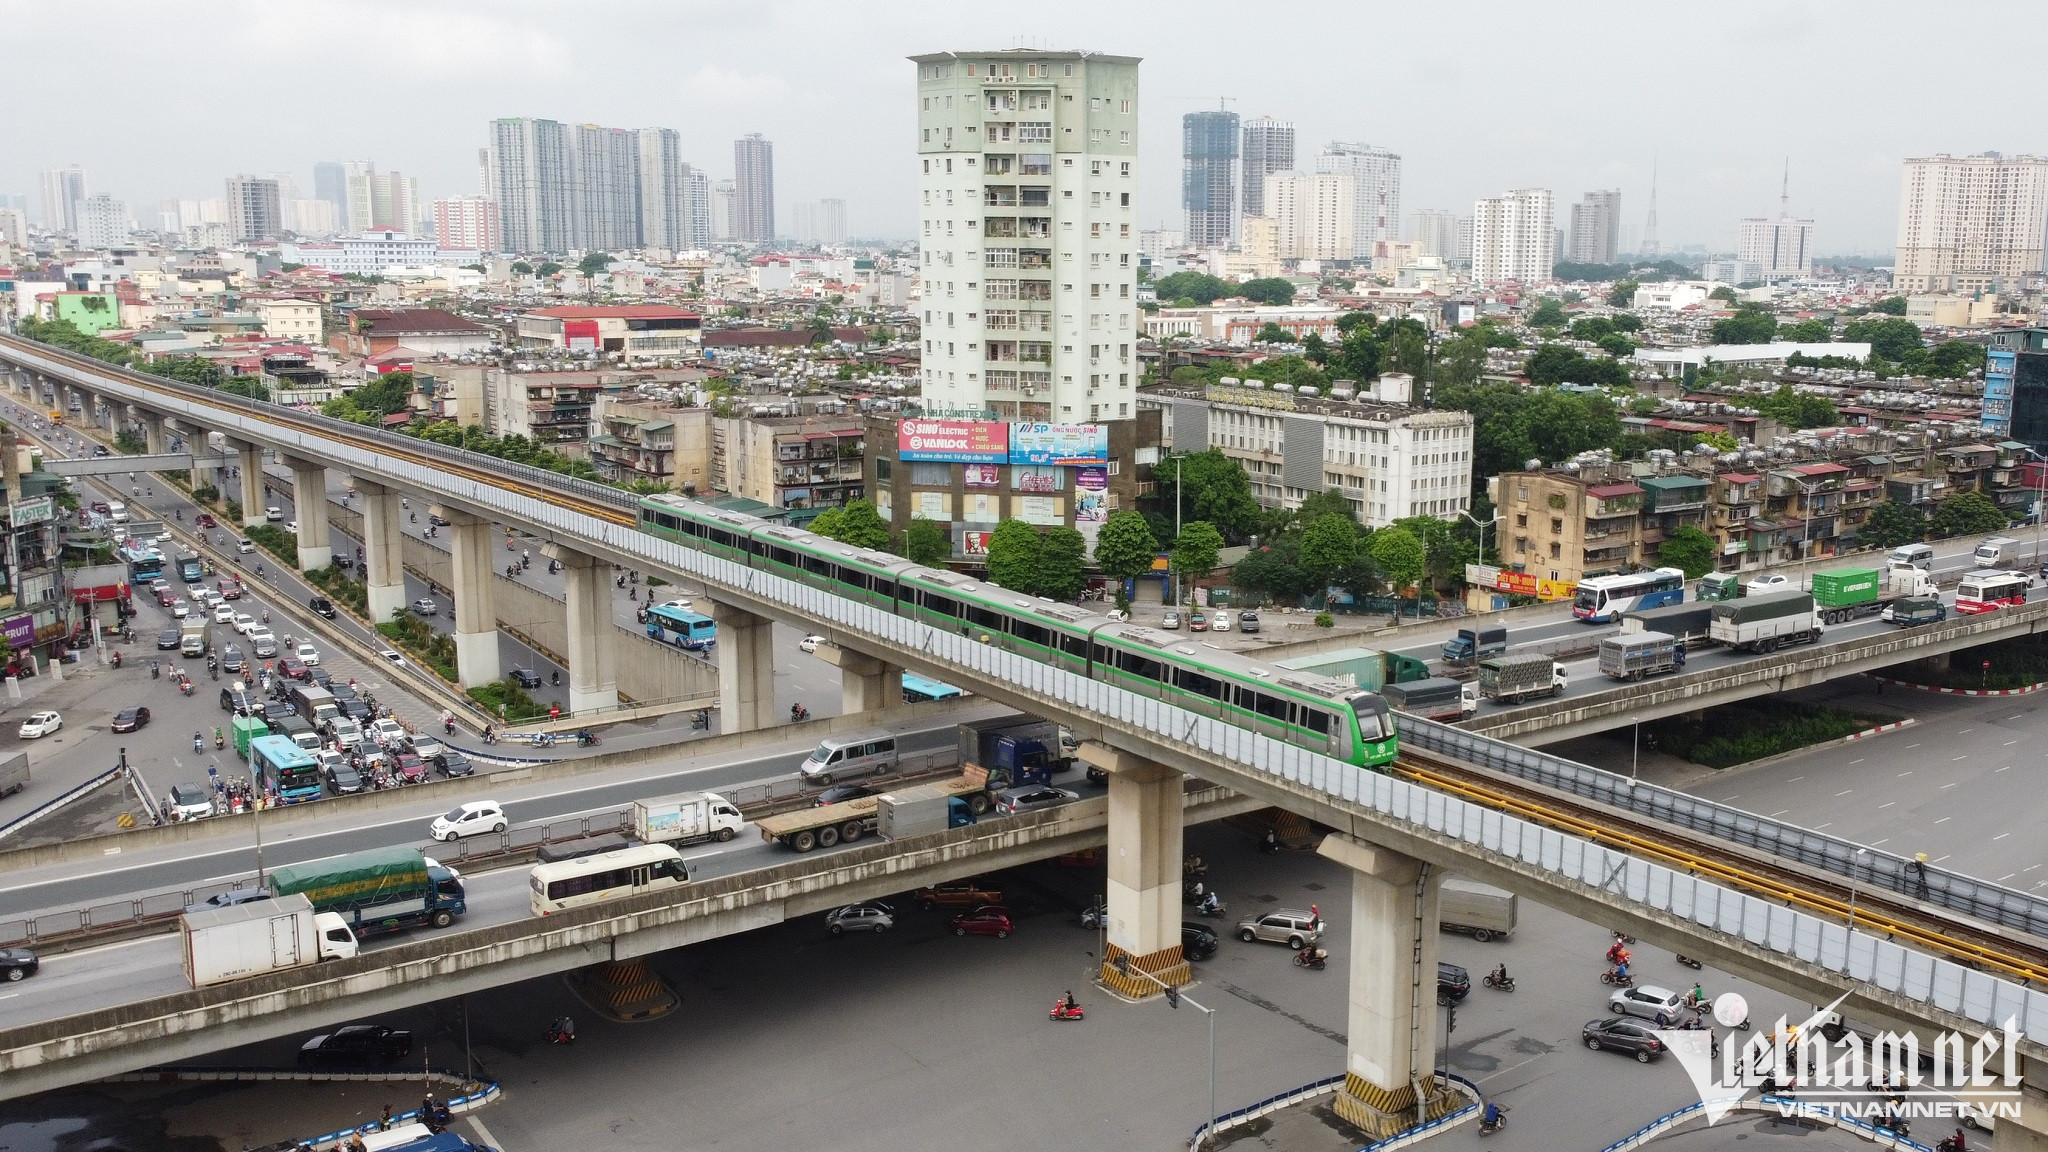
982, 475
962, 441
974, 543
1066, 444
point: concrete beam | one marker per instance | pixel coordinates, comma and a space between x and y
309, 500
593, 641
152, 429
746, 668
476, 628
383, 549
112, 465
865, 683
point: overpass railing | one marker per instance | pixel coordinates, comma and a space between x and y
1545, 855
1868, 868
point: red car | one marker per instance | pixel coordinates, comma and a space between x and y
165, 597
411, 768
230, 588
206, 520
985, 921
292, 668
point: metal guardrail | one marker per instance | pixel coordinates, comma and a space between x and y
1269, 1105
1789, 1105
70, 795
1868, 868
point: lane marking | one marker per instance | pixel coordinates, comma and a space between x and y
1906, 773
1843, 792
2001, 835
1944, 820
1886, 804
1779, 812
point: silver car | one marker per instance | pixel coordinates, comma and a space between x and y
1649, 1002
1031, 798
1295, 927
870, 917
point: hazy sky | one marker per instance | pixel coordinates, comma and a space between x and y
162, 100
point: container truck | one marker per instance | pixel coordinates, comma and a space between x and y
1911, 611
1994, 551
1477, 910
261, 936
190, 569
686, 818
192, 637
1011, 752
1846, 593
1367, 668
381, 890
1634, 655
849, 820
247, 728
916, 811
1513, 679
1435, 698
1474, 644
1767, 622
1691, 624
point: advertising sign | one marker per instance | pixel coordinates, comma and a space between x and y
20, 630
1040, 509
932, 505
1065, 444
32, 511
974, 543
965, 441
982, 475
1039, 478
1091, 496
981, 507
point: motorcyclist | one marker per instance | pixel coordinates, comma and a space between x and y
563, 1029
555, 677
1699, 994
1955, 1143
1615, 951
796, 711
1209, 904
1492, 1117
1500, 975
1067, 1005
198, 742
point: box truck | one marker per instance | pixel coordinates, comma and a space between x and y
192, 637
1011, 752
1846, 593
686, 818
1513, 679
1691, 624
1634, 655
1472, 644
916, 811
260, 936
1477, 910
1767, 622
1435, 698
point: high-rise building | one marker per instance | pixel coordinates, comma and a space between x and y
311, 217
63, 188
13, 227
1596, 228
722, 196
1208, 150
254, 215
604, 188
1312, 214
1000, 209
102, 222
384, 201
562, 187
696, 208
1781, 249
1513, 238
820, 222
330, 183
1376, 192
664, 192
1970, 223
753, 201
533, 183
468, 224
1268, 148
1436, 231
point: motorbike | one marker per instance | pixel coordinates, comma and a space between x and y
562, 1031
586, 739
1314, 959
1061, 1010
198, 742
436, 1117
115, 659
185, 686
219, 741
799, 713
1954, 1143
1210, 906
1095, 915
1689, 962
1503, 983
1496, 1118
1617, 977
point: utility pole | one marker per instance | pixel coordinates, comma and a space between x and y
1174, 999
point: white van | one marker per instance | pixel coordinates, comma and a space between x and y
117, 512
1911, 556
837, 760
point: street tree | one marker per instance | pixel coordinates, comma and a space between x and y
1212, 487
1125, 546
1690, 550
1273, 290
1195, 550
1890, 525
1968, 514
1013, 554
1062, 563
1329, 545
1330, 502
927, 542
1400, 557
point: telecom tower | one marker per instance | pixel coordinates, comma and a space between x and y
1650, 225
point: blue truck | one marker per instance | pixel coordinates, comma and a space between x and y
1014, 751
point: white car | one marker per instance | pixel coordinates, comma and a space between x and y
1221, 623
307, 654
1770, 582
812, 643
40, 725
223, 615
164, 537
387, 732
392, 656
273, 514
180, 609
244, 623
292, 527
472, 818
244, 547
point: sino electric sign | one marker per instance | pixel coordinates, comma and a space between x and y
995, 442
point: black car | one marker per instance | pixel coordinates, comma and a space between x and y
343, 692
1452, 983
99, 450
525, 677
275, 711
344, 779
315, 674
322, 605
452, 763
130, 719
357, 1044
167, 640
436, 520
232, 660
840, 793
355, 710
1197, 941
18, 963
1620, 1034
242, 703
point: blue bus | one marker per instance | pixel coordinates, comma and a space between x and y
1604, 598
282, 767
145, 565
917, 689
681, 627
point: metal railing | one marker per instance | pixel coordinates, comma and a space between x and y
1787, 1106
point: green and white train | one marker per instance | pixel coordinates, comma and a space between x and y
1319, 713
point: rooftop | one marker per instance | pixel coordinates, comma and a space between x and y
616, 312
413, 321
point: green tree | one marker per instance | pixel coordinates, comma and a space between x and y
828, 523
1329, 545
1814, 331
1125, 546
547, 268
1890, 525
927, 542
1890, 337
1197, 286
1719, 441
1746, 326
1062, 563
593, 263
190, 369
1195, 549
1953, 359
1724, 292
1273, 334
1315, 348
1331, 502
1617, 345
521, 268
1444, 552
249, 386
1400, 556
1690, 549
1548, 314
861, 526
1266, 290
1797, 409
1626, 322
1968, 514
1013, 554
1890, 306
1459, 362
1623, 294
1212, 487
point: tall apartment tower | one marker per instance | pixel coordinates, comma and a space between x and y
1436, 231
1208, 182
1970, 223
1596, 228
63, 188
1312, 214
753, 188
1268, 148
664, 181
254, 214
1375, 175
1513, 237
1027, 166
102, 222
533, 183
330, 183
468, 224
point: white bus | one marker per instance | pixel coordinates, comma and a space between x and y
606, 876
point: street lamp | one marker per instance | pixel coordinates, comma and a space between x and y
1853, 861
1634, 747
1174, 999
1482, 525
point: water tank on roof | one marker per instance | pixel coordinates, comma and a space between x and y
1283, 387
1255, 385
1308, 392
1340, 392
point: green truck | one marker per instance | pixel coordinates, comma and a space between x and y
1843, 594
247, 728
381, 890
1368, 668
1719, 586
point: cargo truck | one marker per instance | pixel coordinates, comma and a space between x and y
1691, 624
1477, 910
1513, 679
1767, 622
1634, 655
916, 811
686, 818
1435, 698
192, 637
1716, 586
381, 890
314, 704
1474, 644
1911, 611
1011, 752
1367, 668
13, 774
1846, 593
849, 820
247, 728
260, 936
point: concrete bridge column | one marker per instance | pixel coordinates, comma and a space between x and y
593, 639
251, 466
746, 668
1390, 1048
309, 500
153, 438
476, 621
383, 549
198, 441
865, 683
1144, 897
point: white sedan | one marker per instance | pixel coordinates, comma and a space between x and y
308, 655
387, 732
474, 817
224, 615
39, 725
180, 609
244, 623
812, 643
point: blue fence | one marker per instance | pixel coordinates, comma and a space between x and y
1791, 1106
1328, 1084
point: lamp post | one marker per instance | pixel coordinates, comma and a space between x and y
1174, 999
1635, 744
1483, 525
1853, 862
